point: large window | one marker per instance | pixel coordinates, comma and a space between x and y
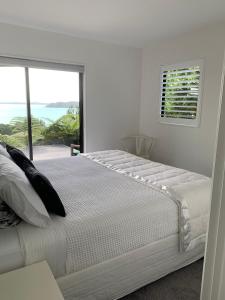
180, 94
41, 107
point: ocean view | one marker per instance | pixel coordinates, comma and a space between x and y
40, 111
54, 110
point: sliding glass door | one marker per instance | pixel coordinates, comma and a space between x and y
54, 102
13, 107
41, 110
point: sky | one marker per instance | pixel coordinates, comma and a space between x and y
46, 86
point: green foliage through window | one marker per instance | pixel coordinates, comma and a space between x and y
65, 131
180, 92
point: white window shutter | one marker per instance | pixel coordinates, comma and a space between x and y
180, 94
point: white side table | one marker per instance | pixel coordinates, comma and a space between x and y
34, 282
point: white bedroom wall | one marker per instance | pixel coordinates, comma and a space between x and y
184, 147
112, 88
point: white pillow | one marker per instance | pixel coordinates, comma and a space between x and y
4, 152
18, 194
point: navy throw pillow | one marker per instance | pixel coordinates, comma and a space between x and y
46, 191
19, 157
39, 182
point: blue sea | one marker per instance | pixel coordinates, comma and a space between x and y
40, 111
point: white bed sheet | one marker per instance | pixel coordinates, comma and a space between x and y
108, 214
11, 252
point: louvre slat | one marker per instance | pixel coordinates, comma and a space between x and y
166, 81
181, 92
181, 97
179, 111
188, 70
180, 117
180, 87
181, 76
181, 101
181, 106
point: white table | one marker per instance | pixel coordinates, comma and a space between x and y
34, 282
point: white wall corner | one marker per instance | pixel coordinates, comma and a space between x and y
213, 287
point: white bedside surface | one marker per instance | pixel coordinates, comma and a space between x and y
34, 282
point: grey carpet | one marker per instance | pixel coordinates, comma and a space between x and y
184, 284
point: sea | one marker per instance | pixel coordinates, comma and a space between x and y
40, 111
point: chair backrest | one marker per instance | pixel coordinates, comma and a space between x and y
139, 145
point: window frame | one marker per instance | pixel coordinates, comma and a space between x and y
182, 121
28, 63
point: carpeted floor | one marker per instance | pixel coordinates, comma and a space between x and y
184, 284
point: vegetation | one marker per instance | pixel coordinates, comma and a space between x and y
65, 130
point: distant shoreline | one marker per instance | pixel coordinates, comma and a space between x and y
50, 104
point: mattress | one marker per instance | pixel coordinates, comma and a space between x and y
112, 217
117, 277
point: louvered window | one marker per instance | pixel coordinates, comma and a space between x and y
180, 94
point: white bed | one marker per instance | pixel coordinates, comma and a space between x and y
129, 222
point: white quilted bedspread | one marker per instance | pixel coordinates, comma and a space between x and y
115, 203
190, 191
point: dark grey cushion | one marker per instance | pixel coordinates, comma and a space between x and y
45, 190
19, 157
39, 182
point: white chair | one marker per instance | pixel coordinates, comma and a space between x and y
139, 145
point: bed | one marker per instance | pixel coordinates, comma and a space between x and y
129, 222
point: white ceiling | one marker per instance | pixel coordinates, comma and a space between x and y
130, 22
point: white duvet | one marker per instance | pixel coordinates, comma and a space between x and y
115, 203
190, 191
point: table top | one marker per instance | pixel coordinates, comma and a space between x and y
34, 282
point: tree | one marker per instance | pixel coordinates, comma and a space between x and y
20, 128
64, 130
5, 129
